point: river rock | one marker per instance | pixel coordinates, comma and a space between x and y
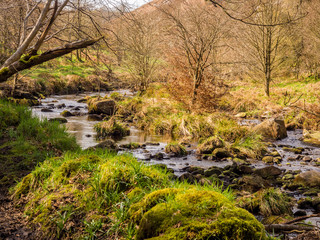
46, 110
272, 128
158, 156
307, 159
95, 117
106, 106
208, 145
268, 159
221, 153
61, 105
308, 179
253, 183
66, 113
60, 120
294, 150
268, 172
107, 144
212, 171
188, 177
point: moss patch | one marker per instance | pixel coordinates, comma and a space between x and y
194, 214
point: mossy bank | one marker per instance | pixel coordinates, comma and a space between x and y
99, 194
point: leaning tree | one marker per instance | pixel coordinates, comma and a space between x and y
37, 19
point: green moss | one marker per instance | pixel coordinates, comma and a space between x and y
198, 214
27, 59
117, 96
208, 145
4, 71
176, 148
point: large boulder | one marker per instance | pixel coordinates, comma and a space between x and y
308, 179
106, 106
273, 128
192, 214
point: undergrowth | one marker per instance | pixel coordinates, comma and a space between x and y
26, 141
88, 195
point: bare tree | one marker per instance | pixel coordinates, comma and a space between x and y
140, 41
195, 34
266, 40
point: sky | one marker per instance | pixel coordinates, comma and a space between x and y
137, 3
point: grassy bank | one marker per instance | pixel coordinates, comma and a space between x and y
156, 112
93, 195
26, 141
297, 100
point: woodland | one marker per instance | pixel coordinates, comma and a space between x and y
177, 119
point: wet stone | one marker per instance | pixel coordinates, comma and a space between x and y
307, 159
300, 213
46, 110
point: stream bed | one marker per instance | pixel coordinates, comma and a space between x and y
83, 130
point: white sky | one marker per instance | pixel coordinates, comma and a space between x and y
137, 3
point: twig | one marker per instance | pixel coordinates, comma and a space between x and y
298, 219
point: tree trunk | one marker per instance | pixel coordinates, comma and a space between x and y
26, 63
268, 61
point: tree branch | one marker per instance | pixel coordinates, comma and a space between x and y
22, 64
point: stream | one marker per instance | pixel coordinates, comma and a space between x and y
82, 128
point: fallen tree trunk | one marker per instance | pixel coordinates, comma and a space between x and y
27, 61
287, 227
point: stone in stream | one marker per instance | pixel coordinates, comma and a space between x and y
300, 213
253, 183
308, 179
95, 117
307, 159
60, 120
273, 128
66, 113
221, 153
294, 150
107, 144
46, 110
212, 171
188, 177
158, 156
268, 159
61, 106
268, 172
104, 106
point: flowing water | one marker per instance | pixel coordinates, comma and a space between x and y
82, 128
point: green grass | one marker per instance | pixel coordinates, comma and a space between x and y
105, 195
27, 141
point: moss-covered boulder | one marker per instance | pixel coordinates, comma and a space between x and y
106, 106
66, 113
208, 145
178, 150
193, 214
308, 179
